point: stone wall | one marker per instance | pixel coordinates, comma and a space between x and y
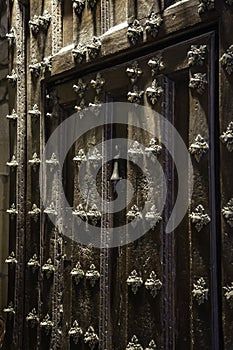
4, 153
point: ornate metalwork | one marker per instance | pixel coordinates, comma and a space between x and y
80, 88
199, 217
134, 344
13, 162
227, 137
94, 215
95, 157
12, 78
9, 310
52, 162
77, 273
200, 291
12, 211
229, 292
92, 275
11, 36
47, 324
91, 338
48, 268
34, 112
81, 108
153, 284
199, 147
152, 345
198, 82
93, 48
33, 263
35, 161
153, 24
134, 281
46, 64
32, 318
153, 216
79, 53
91, 3
227, 60
205, 5
135, 151
135, 96
35, 69
12, 116
134, 215
80, 157
51, 210
78, 6
80, 212
134, 72
154, 92
154, 148
35, 212
197, 55
40, 23
75, 332
227, 212
156, 64
95, 106
134, 32
11, 260
98, 83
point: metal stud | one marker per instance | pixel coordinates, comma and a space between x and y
154, 92
32, 318
153, 148
134, 72
11, 36
51, 210
227, 137
94, 214
200, 291
75, 332
46, 64
134, 344
35, 212
34, 24
135, 151
229, 292
95, 157
12, 211
153, 24
77, 273
199, 147
33, 263
91, 338
134, 215
134, 281
48, 268
153, 284
11, 260
92, 275
12, 78
34, 112
199, 82
80, 157
153, 216
197, 55
227, 60
13, 162
80, 213
135, 32
151, 346
35, 161
81, 108
9, 310
95, 106
47, 324
13, 116
199, 217
52, 162
227, 212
